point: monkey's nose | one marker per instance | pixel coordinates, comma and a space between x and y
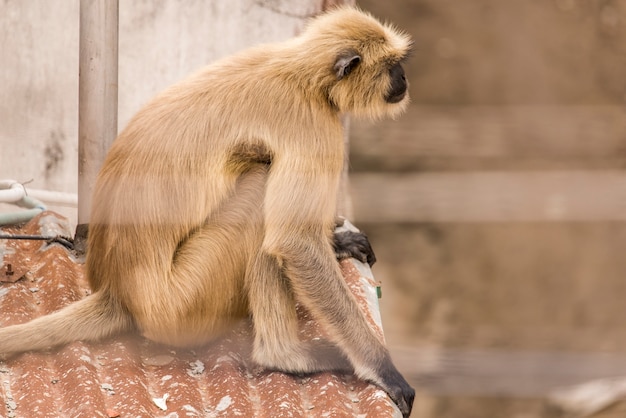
398, 87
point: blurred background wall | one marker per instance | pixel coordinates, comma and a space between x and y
496, 205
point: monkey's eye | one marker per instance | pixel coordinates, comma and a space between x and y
345, 64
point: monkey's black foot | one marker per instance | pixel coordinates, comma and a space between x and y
350, 244
399, 391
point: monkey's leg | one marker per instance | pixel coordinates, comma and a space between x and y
276, 344
202, 292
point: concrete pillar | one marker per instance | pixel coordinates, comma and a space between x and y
97, 97
97, 94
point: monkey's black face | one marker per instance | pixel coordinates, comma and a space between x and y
397, 89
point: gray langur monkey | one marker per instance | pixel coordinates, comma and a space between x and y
218, 201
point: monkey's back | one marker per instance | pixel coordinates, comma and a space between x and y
177, 160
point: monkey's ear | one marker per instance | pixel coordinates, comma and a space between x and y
346, 63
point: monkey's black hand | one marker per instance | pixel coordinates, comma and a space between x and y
350, 244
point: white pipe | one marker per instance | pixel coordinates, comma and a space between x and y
55, 198
33, 208
14, 192
11, 191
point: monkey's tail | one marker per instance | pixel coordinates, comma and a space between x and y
95, 317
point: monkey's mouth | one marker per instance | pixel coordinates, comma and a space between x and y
398, 89
395, 97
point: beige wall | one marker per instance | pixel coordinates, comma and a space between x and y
160, 41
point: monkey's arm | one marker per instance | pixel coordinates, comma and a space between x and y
297, 244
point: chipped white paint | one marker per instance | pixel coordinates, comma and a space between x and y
371, 296
190, 408
161, 360
50, 225
368, 284
347, 226
224, 403
11, 404
222, 359
108, 388
196, 368
364, 270
380, 394
161, 403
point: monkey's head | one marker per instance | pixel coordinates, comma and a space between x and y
363, 58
